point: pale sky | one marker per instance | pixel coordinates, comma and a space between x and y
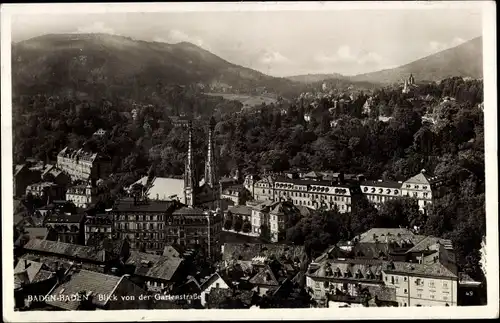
283, 43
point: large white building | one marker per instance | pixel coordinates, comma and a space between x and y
394, 266
82, 165
424, 187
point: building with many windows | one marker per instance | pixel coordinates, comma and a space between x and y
82, 165
380, 191
316, 193
424, 187
152, 225
69, 227
83, 196
394, 264
98, 224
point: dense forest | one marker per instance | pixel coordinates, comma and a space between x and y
349, 141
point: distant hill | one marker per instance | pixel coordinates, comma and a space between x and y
109, 65
313, 78
465, 60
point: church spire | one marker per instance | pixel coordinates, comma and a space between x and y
210, 172
190, 182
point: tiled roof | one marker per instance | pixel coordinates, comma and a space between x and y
18, 169
65, 249
170, 251
36, 233
429, 241
304, 210
241, 209
163, 188
423, 177
383, 293
154, 266
127, 205
382, 233
102, 287
433, 269
244, 251
265, 277
186, 210
299, 181
211, 280
64, 218
387, 184
349, 269
32, 268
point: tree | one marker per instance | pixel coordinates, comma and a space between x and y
265, 233
247, 226
238, 223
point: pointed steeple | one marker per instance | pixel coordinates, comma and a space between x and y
190, 181
210, 172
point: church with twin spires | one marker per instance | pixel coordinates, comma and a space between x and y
205, 193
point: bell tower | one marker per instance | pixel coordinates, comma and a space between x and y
190, 181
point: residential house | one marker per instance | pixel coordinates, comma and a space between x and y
236, 195
407, 269
69, 227
98, 223
83, 196
32, 279
48, 190
89, 290
424, 187
23, 177
83, 165
55, 175
157, 273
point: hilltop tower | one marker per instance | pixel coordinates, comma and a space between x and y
411, 80
190, 181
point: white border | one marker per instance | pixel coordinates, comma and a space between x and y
490, 111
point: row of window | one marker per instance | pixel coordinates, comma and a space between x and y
416, 186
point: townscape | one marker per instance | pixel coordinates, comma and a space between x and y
238, 194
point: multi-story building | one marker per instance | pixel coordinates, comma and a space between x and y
50, 190
316, 194
395, 264
424, 187
82, 165
101, 224
23, 177
263, 189
152, 225
273, 215
83, 196
69, 227
235, 195
380, 191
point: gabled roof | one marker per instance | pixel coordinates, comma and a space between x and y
423, 177
65, 249
384, 184
186, 210
101, 286
265, 277
18, 169
247, 251
241, 209
216, 276
32, 268
171, 251
429, 241
154, 266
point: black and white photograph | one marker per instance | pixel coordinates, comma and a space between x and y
284, 160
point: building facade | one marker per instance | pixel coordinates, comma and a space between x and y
99, 223
69, 227
83, 196
152, 225
378, 192
82, 165
424, 187
47, 189
393, 265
